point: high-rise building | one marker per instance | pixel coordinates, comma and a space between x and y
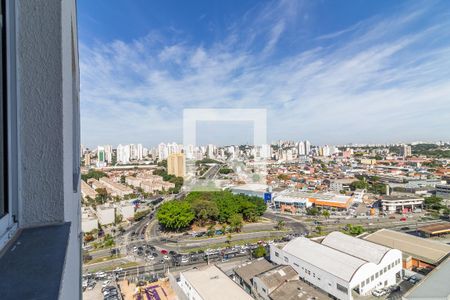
301, 148
163, 152
108, 153
176, 164
210, 151
139, 152
100, 156
87, 159
307, 147
123, 154
405, 150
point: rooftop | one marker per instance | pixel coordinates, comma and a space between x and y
297, 290
212, 284
436, 228
427, 250
328, 259
275, 277
434, 286
362, 249
249, 270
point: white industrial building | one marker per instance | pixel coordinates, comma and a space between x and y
89, 221
401, 204
210, 283
105, 214
126, 209
342, 266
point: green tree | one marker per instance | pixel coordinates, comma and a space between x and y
280, 224
236, 222
102, 195
433, 202
93, 174
354, 229
260, 251
118, 219
326, 213
312, 211
204, 210
175, 215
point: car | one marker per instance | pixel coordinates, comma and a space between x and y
106, 283
403, 219
391, 217
108, 288
155, 254
171, 252
151, 257
91, 285
166, 257
396, 288
117, 270
184, 259
413, 279
164, 252
378, 293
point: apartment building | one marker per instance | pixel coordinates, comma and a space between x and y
176, 164
117, 189
87, 191
40, 205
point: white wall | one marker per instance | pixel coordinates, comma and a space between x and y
188, 289
320, 278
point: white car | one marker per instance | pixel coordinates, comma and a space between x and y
378, 293
151, 257
184, 259
100, 274
166, 257
106, 283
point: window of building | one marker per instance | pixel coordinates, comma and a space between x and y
389, 267
362, 284
385, 269
376, 275
341, 288
296, 264
381, 272
372, 278
286, 259
314, 275
3, 119
264, 290
277, 254
367, 280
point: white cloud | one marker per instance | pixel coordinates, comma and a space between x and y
383, 83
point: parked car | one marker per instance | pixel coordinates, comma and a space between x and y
403, 219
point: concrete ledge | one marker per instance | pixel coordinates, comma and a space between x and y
32, 267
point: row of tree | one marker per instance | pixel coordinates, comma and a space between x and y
210, 208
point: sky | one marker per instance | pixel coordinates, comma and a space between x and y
329, 71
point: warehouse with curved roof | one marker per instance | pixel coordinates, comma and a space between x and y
341, 265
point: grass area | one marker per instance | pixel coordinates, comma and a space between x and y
202, 238
231, 244
102, 259
110, 268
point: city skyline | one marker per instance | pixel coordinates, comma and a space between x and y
382, 67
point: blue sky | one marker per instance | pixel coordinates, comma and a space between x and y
329, 71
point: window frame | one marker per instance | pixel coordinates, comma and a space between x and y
9, 221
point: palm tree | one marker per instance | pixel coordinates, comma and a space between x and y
280, 224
